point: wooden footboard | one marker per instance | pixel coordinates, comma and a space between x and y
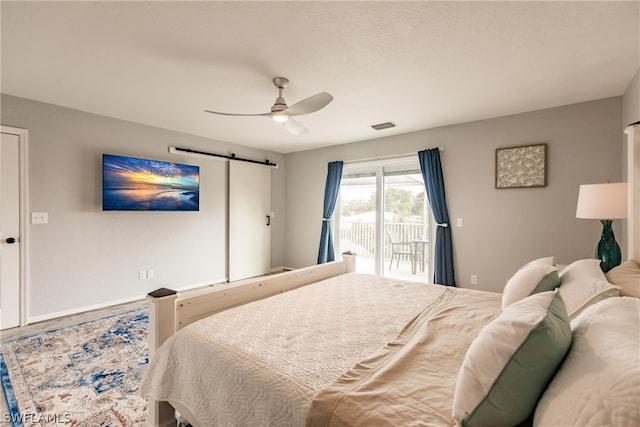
170, 311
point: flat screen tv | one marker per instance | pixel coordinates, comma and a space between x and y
132, 184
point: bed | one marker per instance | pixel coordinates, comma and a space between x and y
326, 346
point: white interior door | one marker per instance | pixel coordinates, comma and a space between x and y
9, 231
249, 220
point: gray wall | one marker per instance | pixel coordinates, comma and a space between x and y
502, 228
86, 257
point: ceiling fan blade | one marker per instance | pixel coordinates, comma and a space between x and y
309, 105
237, 114
294, 127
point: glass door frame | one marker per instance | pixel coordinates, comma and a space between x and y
379, 167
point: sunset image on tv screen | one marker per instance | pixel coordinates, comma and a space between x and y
131, 184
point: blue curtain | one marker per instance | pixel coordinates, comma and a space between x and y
443, 252
334, 175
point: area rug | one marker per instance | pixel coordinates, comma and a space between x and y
82, 375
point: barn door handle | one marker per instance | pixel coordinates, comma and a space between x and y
268, 220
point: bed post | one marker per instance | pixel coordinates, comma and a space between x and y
349, 259
162, 324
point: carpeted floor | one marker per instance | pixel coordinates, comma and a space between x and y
85, 375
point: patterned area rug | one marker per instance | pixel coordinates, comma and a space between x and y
82, 375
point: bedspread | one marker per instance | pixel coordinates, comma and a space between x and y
262, 363
411, 381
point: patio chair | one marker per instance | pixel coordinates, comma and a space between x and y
399, 249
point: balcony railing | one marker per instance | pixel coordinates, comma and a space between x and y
360, 237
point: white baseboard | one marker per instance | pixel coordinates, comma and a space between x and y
192, 286
71, 312
199, 287
54, 315
281, 268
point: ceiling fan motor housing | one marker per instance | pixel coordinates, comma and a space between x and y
279, 105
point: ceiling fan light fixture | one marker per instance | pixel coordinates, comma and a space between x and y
282, 113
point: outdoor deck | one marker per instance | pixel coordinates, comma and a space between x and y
360, 238
402, 272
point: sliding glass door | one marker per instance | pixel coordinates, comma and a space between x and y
356, 218
383, 216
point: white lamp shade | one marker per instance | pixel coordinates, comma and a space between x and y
602, 201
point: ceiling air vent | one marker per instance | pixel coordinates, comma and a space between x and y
385, 125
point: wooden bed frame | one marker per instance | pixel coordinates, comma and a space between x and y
170, 311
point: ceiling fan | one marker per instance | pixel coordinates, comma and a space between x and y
282, 113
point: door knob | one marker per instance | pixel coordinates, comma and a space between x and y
11, 240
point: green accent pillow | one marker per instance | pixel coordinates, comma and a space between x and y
509, 365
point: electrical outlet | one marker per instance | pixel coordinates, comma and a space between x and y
39, 217
150, 274
474, 279
142, 274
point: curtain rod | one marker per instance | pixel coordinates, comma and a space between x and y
390, 157
232, 156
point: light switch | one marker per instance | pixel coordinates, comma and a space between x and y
459, 222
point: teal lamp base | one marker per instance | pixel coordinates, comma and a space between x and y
608, 251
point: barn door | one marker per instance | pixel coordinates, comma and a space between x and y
249, 220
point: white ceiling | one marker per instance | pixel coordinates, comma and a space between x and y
418, 64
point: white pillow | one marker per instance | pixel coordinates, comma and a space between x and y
582, 283
549, 260
539, 275
510, 363
584, 268
598, 383
627, 276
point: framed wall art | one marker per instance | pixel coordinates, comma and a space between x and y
523, 166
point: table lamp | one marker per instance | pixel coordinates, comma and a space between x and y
605, 202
